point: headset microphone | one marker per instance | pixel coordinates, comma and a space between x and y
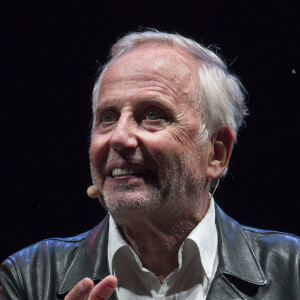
93, 192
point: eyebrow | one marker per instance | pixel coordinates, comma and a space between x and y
114, 104
100, 108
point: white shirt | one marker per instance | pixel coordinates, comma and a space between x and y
197, 264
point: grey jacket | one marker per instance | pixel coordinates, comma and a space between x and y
254, 264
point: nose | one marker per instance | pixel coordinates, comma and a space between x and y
124, 135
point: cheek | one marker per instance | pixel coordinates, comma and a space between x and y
173, 137
98, 149
157, 143
182, 139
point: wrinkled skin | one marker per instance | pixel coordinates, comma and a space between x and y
146, 118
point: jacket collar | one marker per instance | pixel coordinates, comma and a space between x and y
236, 256
238, 265
90, 260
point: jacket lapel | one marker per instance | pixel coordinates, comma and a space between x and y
239, 272
90, 260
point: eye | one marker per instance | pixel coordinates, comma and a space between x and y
154, 114
109, 116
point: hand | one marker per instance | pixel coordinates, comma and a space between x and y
85, 289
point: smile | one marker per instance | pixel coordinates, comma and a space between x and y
128, 171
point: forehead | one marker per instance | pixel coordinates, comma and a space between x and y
155, 63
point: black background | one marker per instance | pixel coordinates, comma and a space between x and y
49, 56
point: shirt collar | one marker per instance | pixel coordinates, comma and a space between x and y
204, 235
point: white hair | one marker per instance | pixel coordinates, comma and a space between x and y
220, 95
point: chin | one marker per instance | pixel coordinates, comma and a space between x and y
127, 203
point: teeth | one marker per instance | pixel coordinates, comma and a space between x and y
126, 171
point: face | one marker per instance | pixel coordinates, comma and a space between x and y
145, 153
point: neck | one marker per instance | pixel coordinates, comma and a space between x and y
157, 239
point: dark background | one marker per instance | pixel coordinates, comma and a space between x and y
49, 55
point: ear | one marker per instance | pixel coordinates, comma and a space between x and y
222, 142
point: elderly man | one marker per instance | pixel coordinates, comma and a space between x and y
166, 115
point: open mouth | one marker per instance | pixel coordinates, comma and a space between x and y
129, 171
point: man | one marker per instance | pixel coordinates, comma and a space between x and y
166, 114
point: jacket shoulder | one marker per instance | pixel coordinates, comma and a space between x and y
47, 248
277, 253
260, 264
45, 262
274, 239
